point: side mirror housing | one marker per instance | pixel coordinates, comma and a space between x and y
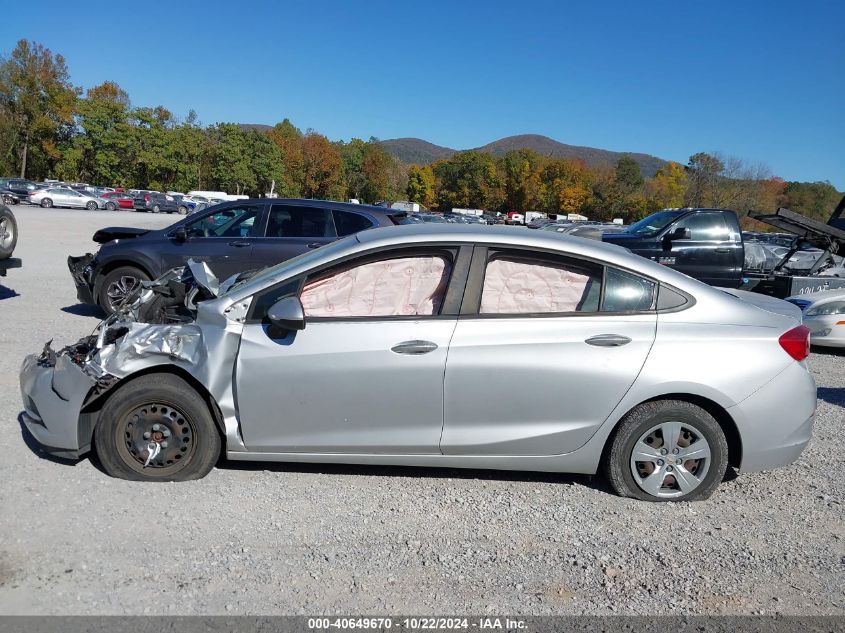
680, 233
287, 314
180, 234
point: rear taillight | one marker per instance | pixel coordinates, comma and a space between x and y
796, 342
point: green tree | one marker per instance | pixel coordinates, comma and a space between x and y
376, 166
629, 178
421, 185
467, 180
522, 179
322, 168
668, 187
36, 107
289, 139
704, 173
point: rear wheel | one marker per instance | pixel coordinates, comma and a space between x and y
667, 450
10, 200
111, 206
157, 428
8, 233
117, 285
91, 205
46, 203
156, 209
183, 210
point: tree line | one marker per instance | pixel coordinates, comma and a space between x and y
50, 128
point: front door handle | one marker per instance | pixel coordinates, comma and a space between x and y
608, 340
240, 243
315, 245
414, 348
722, 250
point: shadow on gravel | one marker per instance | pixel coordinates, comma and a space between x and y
589, 481
35, 447
833, 395
7, 293
84, 309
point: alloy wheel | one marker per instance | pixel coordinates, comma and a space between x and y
120, 288
7, 233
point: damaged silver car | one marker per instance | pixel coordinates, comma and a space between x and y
437, 345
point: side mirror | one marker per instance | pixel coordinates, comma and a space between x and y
180, 234
287, 314
680, 233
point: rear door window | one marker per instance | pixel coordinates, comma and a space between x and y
347, 223
299, 221
526, 285
626, 292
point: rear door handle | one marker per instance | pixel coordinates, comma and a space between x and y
722, 250
608, 340
240, 243
414, 348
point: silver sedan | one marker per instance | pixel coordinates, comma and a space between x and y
438, 345
824, 314
66, 197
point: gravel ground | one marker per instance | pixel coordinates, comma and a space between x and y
284, 539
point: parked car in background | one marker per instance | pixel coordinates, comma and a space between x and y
824, 314
231, 237
7, 196
63, 197
19, 186
8, 239
665, 380
155, 202
192, 204
116, 199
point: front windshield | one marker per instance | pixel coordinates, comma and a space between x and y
653, 223
304, 258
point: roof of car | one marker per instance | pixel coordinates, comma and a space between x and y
309, 202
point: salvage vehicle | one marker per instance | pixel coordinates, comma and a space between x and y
155, 202
8, 240
231, 237
118, 200
707, 244
824, 314
654, 377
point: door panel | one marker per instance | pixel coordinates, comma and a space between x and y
336, 387
222, 239
534, 386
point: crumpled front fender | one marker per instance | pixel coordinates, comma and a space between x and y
53, 398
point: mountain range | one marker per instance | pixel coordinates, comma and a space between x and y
420, 152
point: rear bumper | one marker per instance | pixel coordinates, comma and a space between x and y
52, 401
776, 422
82, 274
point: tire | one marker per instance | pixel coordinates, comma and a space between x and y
183, 210
116, 283
164, 409
91, 206
673, 480
156, 209
110, 206
10, 200
8, 232
46, 203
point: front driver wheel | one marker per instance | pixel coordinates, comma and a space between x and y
667, 450
91, 206
110, 206
157, 428
117, 285
46, 203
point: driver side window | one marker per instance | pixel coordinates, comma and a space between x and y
230, 222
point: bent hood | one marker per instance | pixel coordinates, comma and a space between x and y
117, 233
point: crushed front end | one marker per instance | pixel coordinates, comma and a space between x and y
60, 389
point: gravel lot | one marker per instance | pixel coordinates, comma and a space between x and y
284, 539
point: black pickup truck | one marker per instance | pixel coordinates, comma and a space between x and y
707, 244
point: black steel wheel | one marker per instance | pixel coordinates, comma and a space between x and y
157, 428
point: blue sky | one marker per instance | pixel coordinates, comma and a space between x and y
759, 80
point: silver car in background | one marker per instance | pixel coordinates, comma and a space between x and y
824, 314
66, 197
438, 345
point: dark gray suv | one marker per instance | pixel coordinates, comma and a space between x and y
231, 237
